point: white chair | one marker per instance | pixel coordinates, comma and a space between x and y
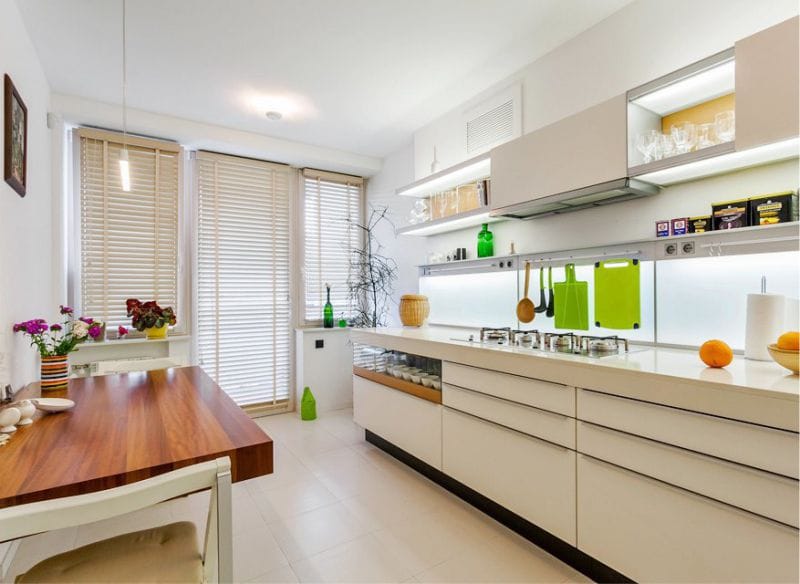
161, 554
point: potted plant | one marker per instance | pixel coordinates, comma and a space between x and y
150, 317
56, 341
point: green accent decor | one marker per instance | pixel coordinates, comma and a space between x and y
616, 294
485, 242
327, 312
308, 405
572, 302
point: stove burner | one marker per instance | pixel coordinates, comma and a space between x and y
603, 344
499, 335
526, 338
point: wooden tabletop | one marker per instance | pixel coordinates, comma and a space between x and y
125, 428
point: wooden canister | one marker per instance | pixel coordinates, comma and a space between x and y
414, 309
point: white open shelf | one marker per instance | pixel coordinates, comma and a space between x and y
470, 170
452, 223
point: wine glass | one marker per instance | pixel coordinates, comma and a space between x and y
725, 125
705, 136
645, 145
684, 135
441, 203
668, 147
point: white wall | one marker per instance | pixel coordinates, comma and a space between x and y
327, 371
643, 41
27, 289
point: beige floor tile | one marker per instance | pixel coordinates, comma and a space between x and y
293, 499
256, 553
282, 575
361, 560
313, 532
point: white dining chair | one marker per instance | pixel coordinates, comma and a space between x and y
162, 554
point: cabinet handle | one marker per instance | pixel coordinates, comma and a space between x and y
489, 422
504, 400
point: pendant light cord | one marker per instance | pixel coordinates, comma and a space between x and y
124, 78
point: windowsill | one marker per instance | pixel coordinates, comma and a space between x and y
114, 342
320, 329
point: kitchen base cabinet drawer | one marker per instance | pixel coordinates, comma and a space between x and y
533, 392
540, 423
411, 423
757, 446
770, 495
531, 478
650, 531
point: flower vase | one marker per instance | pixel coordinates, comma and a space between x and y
55, 372
156, 332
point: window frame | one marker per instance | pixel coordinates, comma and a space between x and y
303, 321
183, 292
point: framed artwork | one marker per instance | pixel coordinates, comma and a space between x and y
15, 139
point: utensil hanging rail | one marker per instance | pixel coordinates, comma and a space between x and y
604, 254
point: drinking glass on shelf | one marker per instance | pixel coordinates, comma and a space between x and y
705, 136
644, 144
452, 202
725, 125
441, 203
684, 136
668, 147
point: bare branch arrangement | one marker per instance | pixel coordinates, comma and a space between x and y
372, 274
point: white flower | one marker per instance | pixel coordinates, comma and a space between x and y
80, 329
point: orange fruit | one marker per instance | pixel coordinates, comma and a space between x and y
716, 353
789, 341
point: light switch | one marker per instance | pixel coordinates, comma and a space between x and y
319, 344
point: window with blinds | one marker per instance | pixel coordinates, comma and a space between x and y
243, 277
128, 240
331, 204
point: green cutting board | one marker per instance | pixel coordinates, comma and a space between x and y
572, 302
616, 294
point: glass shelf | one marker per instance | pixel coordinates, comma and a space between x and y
416, 375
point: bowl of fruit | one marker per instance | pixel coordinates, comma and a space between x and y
786, 351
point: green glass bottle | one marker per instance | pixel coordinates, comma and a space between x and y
485, 242
327, 312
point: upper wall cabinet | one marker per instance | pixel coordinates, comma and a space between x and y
735, 109
584, 149
767, 82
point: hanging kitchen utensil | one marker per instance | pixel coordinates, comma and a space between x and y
572, 302
542, 307
616, 294
551, 301
525, 308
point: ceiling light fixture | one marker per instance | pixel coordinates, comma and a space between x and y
274, 116
124, 164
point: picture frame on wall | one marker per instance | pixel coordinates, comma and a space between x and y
15, 139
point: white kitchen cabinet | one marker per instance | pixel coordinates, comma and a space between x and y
543, 424
532, 478
533, 392
651, 531
767, 81
763, 493
581, 150
750, 444
408, 422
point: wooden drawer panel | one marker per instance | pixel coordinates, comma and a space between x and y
532, 478
653, 532
411, 423
540, 423
770, 495
757, 446
533, 392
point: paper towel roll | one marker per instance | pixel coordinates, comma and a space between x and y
765, 320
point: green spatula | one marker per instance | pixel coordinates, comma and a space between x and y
572, 302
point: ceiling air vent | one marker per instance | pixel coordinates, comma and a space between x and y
494, 121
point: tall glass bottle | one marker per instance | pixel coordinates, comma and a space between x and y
485, 242
327, 312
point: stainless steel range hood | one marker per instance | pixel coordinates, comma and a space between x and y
614, 191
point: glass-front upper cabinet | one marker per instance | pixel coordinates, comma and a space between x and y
687, 115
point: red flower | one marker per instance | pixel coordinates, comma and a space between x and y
122, 331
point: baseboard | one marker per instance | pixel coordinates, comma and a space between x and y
564, 551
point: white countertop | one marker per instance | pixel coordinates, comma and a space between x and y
757, 391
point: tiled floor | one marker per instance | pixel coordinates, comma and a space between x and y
339, 510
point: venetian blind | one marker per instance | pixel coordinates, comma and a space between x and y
128, 240
243, 283
331, 203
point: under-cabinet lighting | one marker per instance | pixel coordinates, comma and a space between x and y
757, 156
125, 170
451, 224
703, 86
448, 179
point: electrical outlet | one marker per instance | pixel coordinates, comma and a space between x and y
687, 248
670, 249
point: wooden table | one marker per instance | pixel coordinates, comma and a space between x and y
125, 428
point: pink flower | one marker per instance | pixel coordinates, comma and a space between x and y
65, 309
86, 319
122, 331
95, 331
55, 327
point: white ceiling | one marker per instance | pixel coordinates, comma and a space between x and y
362, 74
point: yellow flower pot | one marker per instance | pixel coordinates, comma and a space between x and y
156, 332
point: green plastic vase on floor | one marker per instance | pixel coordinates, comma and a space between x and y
308, 405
